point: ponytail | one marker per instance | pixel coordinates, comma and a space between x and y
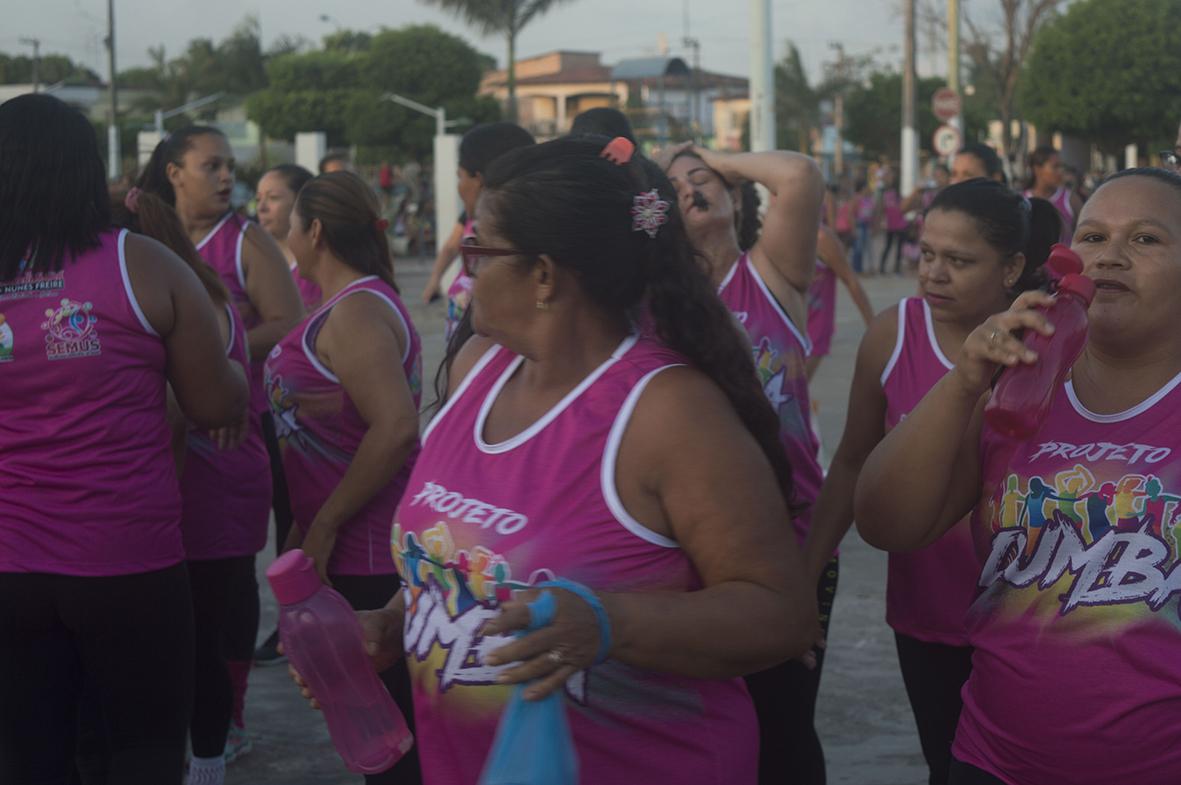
147, 214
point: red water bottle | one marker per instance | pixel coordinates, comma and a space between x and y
322, 638
1021, 399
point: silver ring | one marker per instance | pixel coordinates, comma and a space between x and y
994, 336
554, 656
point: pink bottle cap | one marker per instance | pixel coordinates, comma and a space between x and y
293, 577
1079, 285
1063, 261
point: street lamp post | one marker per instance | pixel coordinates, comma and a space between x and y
36, 44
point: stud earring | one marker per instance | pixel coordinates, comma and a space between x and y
542, 305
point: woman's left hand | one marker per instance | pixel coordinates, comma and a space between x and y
548, 656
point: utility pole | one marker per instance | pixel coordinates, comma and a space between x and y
953, 56
114, 166
838, 111
36, 44
695, 44
910, 139
762, 78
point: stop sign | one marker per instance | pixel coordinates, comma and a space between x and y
946, 103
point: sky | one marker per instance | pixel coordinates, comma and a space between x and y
616, 28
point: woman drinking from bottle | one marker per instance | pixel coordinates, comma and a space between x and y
1075, 675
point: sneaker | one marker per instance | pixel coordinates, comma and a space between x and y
238, 743
268, 652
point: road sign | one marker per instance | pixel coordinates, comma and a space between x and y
947, 140
946, 103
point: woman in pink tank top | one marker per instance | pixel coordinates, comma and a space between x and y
1076, 675
277, 189
477, 150
1047, 181
344, 387
99, 322
980, 247
573, 447
763, 273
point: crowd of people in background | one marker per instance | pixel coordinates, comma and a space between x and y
622, 423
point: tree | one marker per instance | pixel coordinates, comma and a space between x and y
18, 69
500, 17
1108, 73
873, 114
339, 90
797, 106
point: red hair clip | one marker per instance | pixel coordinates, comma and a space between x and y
618, 151
381, 224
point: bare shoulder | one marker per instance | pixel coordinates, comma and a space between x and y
878, 342
465, 360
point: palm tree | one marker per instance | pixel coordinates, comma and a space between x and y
504, 17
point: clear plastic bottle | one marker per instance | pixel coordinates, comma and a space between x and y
1021, 399
323, 641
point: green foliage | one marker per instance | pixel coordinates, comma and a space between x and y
339, 90
18, 69
873, 114
1107, 72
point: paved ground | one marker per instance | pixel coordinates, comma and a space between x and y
863, 718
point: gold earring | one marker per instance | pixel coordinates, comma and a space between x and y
542, 305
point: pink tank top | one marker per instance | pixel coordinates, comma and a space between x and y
779, 351
482, 520
309, 292
822, 309
226, 494
87, 484
319, 430
927, 591
1077, 672
1061, 202
222, 250
459, 293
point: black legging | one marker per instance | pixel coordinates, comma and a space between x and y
967, 774
126, 643
225, 612
894, 239
934, 674
369, 592
280, 498
785, 701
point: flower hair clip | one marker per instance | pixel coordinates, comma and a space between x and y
618, 151
381, 224
649, 212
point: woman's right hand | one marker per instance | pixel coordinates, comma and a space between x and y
382, 632
995, 342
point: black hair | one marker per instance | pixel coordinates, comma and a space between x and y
603, 121
1038, 158
747, 221
154, 178
296, 177
350, 215
1008, 222
334, 156
563, 200
993, 168
486, 142
1166, 176
53, 188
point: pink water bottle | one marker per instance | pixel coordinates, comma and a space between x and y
1021, 400
322, 638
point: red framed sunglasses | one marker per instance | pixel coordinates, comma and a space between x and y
476, 256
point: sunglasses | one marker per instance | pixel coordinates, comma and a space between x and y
477, 256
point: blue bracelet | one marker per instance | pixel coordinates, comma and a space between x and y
596, 605
541, 611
